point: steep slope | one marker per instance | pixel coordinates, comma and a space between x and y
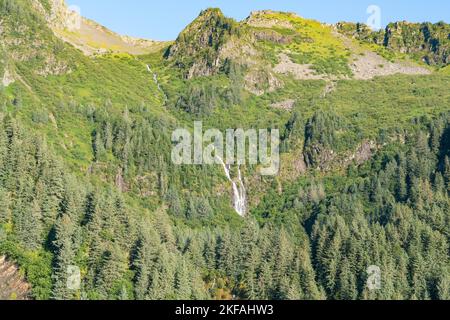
12, 284
87, 180
269, 44
87, 35
198, 48
93, 38
426, 42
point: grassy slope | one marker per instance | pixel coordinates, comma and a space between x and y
119, 81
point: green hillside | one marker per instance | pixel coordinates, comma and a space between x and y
87, 180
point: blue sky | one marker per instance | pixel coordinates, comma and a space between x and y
163, 20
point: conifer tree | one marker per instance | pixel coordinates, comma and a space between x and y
31, 229
182, 282
5, 203
147, 251
64, 257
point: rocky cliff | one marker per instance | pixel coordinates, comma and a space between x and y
427, 42
87, 35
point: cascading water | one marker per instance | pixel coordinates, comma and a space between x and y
155, 79
239, 192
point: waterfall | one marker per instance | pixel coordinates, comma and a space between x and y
239, 192
155, 80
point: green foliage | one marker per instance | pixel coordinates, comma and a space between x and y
423, 41
86, 177
200, 42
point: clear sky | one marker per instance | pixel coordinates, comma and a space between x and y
164, 19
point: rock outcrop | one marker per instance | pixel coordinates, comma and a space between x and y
430, 41
369, 65
298, 71
12, 284
260, 81
427, 42
284, 105
7, 78
267, 19
366, 65
197, 48
87, 35
58, 15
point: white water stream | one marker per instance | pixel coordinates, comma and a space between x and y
239, 192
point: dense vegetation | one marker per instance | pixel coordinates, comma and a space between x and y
86, 177
424, 41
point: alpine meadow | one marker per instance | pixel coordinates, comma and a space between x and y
93, 206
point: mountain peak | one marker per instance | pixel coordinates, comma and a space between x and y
211, 12
272, 13
198, 46
206, 19
270, 18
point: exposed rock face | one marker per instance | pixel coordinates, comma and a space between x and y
364, 152
136, 42
431, 41
62, 17
272, 36
426, 41
203, 68
198, 47
324, 159
298, 71
204, 47
284, 105
12, 284
260, 81
367, 64
323, 149
87, 35
358, 31
319, 157
329, 88
266, 19
59, 15
120, 181
7, 78
25, 40
242, 52
53, 67
371, 65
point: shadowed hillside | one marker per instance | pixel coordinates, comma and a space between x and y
87, 178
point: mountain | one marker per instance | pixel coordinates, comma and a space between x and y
87, 35
268, 43
12, 285
424, 41
87, 181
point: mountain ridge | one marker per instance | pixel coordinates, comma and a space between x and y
87, 179
62, 20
